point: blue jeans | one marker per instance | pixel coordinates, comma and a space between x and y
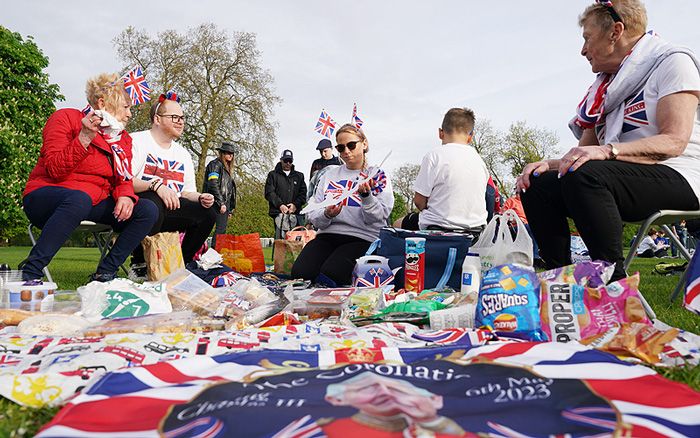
58, 211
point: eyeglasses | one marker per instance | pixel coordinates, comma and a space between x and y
174, 117
351, 145
287, 160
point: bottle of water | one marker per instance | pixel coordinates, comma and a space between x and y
471, 274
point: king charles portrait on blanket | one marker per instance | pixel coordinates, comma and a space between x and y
638, 131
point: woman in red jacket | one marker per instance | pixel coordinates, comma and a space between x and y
84, 173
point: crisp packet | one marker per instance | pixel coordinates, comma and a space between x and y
591, 273
571, 312
509, 302
633, 339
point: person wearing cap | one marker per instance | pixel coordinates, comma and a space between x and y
325, 148
219, 182
285, 191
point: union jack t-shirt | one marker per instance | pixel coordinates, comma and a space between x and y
173, 166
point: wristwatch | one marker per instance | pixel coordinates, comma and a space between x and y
613, 152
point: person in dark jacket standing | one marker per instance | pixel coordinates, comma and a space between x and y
219, 182
285, 190
325, 148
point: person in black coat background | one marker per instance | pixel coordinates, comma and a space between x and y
219, 182
285, 190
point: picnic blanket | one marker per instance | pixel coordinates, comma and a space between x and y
38, 371
496, 390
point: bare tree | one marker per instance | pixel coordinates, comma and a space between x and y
488, 142
225, 93
402, 180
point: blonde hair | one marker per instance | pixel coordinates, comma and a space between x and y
352, 129
108, 86
632, 12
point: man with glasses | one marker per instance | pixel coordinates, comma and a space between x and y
164, 173
285, 191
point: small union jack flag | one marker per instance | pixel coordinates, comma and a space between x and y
325, 125
355, 119
171, 172
337, 189
380, 181
135, 84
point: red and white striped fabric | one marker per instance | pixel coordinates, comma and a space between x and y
132, 402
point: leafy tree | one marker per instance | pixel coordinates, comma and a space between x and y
402, 180
251, 211
524, 144
225, 93
26, 101
399, 210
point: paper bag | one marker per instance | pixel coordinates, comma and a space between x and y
285, 254
163, 255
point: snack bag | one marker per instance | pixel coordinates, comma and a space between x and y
571, 312
634, 339
590, 273
509, 302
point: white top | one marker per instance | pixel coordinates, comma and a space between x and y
360, 217
173, 165
453, 177
676, 73
648, 243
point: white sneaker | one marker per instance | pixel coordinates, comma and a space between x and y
138, 272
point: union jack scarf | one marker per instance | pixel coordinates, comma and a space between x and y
603, 105
111, 130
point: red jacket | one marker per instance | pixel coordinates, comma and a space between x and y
64, 162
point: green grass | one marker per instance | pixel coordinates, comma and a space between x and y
72, 266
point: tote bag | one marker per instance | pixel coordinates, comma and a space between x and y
392, 245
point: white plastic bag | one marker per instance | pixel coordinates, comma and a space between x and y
496, 245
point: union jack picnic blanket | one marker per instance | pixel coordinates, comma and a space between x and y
38, 371
498, 390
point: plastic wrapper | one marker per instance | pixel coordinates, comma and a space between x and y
453, 317
326, 303
63, 301
175, 322
509, 302
571, 312
53, 325
634, 339
121, 298
186, 291
253, 292
255, 315
366, 302
591, 273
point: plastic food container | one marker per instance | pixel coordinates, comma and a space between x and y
27, 297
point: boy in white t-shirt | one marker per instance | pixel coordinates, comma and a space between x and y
451, 182
164, 173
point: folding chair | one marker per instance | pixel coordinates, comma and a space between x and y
662, 218
103, 238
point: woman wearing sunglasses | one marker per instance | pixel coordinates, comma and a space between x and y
346, 230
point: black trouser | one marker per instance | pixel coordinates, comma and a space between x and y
599, 196
329, 257
221, 224
191, 218
650, 253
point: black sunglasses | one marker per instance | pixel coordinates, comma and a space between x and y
287, 160
611, 10
351, 145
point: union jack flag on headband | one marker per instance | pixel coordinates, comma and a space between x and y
325, 125
135, 84
355, 119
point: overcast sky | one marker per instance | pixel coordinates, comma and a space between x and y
404, 62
